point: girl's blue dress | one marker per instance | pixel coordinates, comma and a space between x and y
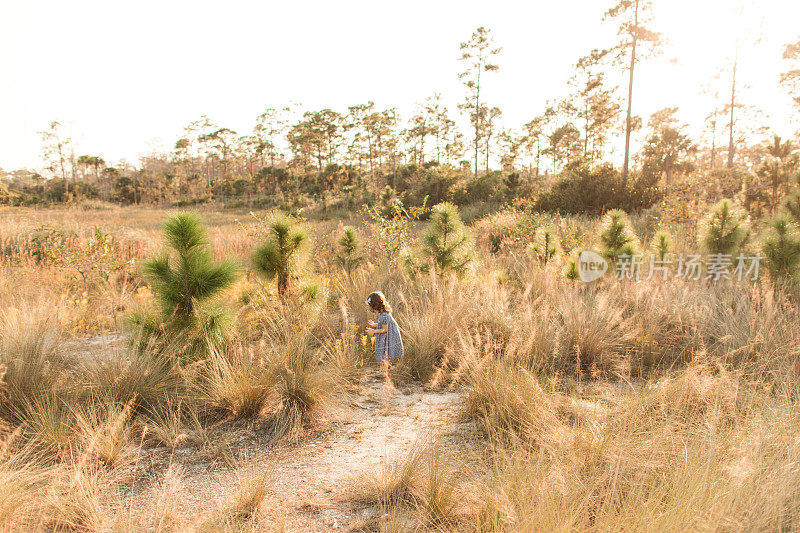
390, 342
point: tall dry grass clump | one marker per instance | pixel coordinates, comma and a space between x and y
692, 452
302, 387
430, 315
237, 382
594, 333
31, 356
520, 407
422, 488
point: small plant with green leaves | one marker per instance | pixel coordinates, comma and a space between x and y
617, 236
545, 247
95, 258
185, 282
781, 248
791, 204
349, 254
446, 243
284, 254
388, 200
391, 234
725, 229
661, 245
571, 271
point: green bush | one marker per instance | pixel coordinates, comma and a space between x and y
285, 252
593, 191
617, 236
725, 229
446, 243
488, 188
185, 282
781, 248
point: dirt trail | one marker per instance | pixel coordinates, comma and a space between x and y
377, 426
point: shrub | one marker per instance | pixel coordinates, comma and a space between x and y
434, 183
724, 230
781, 248
545, 247
185, 283
348, 253
486, 188
284, 254
617, 236
593, 191
446, 243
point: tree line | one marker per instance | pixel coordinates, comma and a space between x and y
356, 153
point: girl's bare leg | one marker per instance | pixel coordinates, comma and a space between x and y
388, 385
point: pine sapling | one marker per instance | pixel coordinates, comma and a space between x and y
349, 253
781, 248
791, 204
388, 201
724, 230
284, 254
571, 271
545, 247
617, 237
185, 281
446, 243
661, 245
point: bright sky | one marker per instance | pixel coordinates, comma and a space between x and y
126, 77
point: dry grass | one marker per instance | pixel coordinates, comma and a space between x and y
660, 405
684, 454
425, 487
238, 383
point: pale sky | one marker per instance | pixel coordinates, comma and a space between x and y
126, 77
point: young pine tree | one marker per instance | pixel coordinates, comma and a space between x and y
348, 253
446, 243
781, 248
284, 254
617, 236
571, 271
661, 245
545, 247
388, 200
724, 230
791, 204
186, 280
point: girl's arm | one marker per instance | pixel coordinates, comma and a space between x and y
383, 329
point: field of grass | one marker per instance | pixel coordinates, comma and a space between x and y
523, 402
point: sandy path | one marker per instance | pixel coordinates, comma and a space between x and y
304, 480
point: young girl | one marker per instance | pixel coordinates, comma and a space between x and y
388, 344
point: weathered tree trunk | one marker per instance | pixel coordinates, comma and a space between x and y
733, 105
630, 97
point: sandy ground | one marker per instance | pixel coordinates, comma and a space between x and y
377, 425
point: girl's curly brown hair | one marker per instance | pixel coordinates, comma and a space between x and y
377, 301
